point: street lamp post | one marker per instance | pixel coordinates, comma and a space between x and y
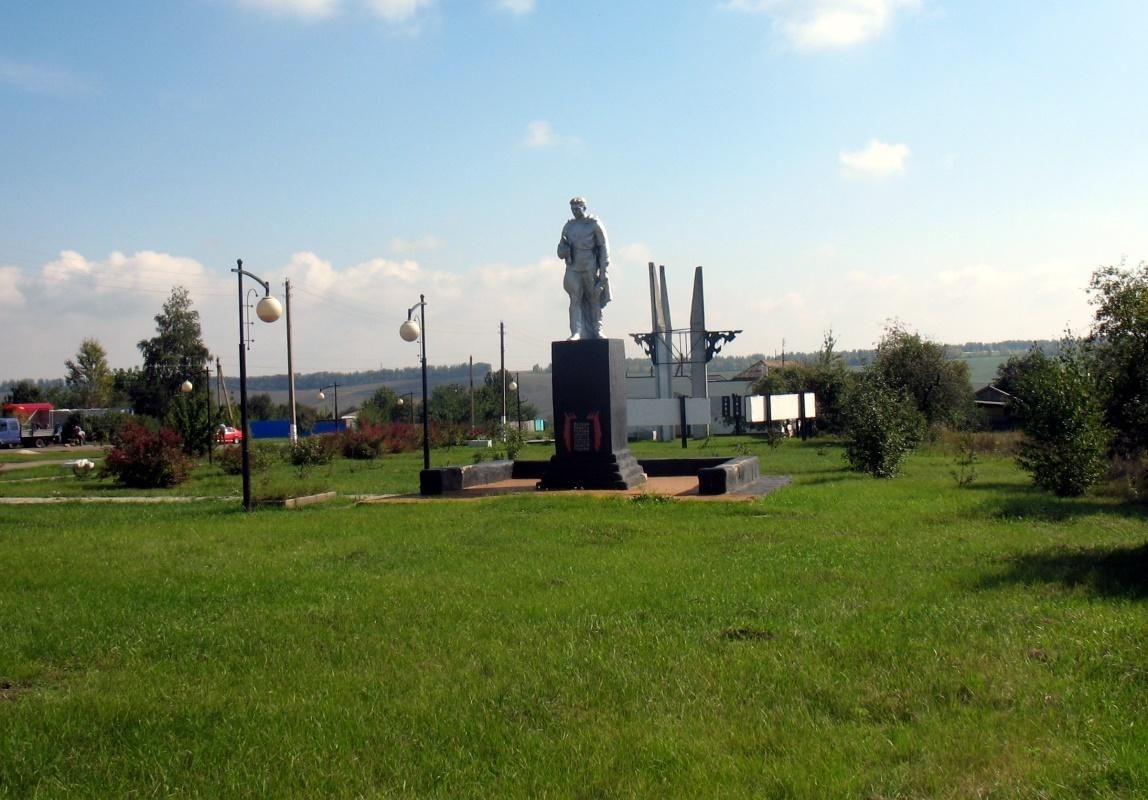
415, 329
187, 387
402, 402
322, 396
516, 387
269, 309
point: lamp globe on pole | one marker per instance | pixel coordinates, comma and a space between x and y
410, 331
269, 309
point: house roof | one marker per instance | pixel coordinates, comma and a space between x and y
756, 370
991, 394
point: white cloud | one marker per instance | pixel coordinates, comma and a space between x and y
307, 9
35, 79
515, 6
540, 134
826, 24
425, 244
10, 294
876, 160
988, 301
398, 10
392, 11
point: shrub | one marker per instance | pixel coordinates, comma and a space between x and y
364, 442
230, 458
964, 469
882, 427
401, 437
313, 450
145, 459
104, 427
1065, 437
513, 440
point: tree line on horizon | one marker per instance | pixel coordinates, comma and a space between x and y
91, 356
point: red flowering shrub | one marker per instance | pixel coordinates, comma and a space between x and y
363, 442
401, 437
145, 459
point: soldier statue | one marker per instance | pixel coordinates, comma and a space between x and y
584, 249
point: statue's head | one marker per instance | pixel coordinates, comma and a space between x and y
578, 206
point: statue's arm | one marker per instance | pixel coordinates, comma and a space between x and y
603, 248
564, 251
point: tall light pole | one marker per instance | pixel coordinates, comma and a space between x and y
502, 372
269, 309
402, 402
414, 329
322, 396
516, 387
294, 429
187, 388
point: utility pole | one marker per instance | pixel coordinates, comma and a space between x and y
472, 394
502, 371
290, 367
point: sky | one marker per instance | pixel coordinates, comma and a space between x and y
959, 166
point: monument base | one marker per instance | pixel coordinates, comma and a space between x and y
589, 383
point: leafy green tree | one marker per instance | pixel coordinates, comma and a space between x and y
450, 402
882, 426
89, 376
1119, 341
261, 407
25, 391
382, 406
917, 368
174, 353
190, 415
1063, 422
122, 382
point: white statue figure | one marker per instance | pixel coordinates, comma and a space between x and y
584, 249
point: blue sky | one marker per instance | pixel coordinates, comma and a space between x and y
833, 164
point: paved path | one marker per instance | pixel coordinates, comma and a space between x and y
37, 501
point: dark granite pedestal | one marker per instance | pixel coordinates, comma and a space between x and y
589, 382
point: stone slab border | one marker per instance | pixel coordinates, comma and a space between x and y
715, 475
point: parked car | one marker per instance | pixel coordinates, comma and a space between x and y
228, 435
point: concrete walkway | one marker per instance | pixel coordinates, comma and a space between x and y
35, 501
682, 487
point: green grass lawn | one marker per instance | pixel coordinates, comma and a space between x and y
843, 637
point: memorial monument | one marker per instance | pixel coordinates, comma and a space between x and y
588, 372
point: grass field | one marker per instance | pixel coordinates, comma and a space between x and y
843, 637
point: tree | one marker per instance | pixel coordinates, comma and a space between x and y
916, 367
175, 353
382, 406
1063, 422
450, 402
24, 392
89, 376
882, 426
827, 378
261, 407
1119, 340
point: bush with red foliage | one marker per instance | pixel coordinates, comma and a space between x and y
146, 459
363, 442
400, 437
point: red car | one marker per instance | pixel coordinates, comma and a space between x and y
228, 435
